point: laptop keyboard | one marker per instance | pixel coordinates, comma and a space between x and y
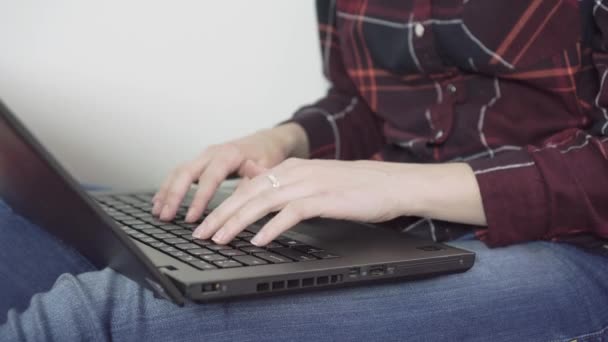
133, 214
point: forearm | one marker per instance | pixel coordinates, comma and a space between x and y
447, 192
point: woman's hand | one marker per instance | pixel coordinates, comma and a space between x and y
366, 191
263, 149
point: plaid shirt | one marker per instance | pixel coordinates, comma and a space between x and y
513, 88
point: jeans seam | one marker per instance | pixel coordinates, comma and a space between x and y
585, 336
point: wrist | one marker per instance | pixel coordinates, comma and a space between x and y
292, 138
447, 191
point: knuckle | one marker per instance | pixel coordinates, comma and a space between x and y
294, 211
240, 217
232, 151
214, 175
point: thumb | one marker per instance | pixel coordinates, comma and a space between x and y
251, 169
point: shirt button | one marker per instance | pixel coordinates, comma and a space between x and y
451, 88
419, 30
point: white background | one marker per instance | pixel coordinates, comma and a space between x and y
120, 91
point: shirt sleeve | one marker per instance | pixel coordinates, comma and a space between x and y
341, 125
559, 189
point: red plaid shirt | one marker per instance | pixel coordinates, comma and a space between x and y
514, 88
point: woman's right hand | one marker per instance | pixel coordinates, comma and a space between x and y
245, 156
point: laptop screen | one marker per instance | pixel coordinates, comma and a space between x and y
35, 186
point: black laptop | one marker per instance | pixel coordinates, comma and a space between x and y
117, 230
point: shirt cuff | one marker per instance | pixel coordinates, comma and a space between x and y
319, 130
514, 198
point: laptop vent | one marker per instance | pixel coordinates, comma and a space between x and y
299, 283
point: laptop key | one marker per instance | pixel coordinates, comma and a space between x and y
293, 254
148, 240
325, 255
201, 265
227, 264
232, 252
138, 235
308, 249
163, 236
273, 258
154, 221
202, 242
186, 246
289, 242
213, 257
249, 260
154, 230
170, 227
188, 237
188, 258
181, 231
240, 244
140, 214
273, 245
175, 241
245, 234
215, 247
253, 249
142, 226
132, 222
169, 249
190, 226
158, 244
200, 251
178, 254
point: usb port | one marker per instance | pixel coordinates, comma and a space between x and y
208, 288
376, 271
354, 272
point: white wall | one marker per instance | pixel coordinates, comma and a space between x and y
122, 90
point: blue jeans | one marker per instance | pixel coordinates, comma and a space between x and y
531, 292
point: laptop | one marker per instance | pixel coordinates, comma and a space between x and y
116, 230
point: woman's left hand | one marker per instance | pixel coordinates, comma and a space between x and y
366, 191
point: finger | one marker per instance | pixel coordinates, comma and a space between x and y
213, 175
251, 169
176, 192
270, 201
159, 198
293, 213
222, 213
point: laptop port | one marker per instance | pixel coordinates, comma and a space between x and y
354, 272
323, 280
263, 287
308, 282
209, 288
278, 285
376, 271
293, 283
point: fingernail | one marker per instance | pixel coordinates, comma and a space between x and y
256, 241
190, 216
198, 232
219, 237
156, 208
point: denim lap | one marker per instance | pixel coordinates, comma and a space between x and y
531, 292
